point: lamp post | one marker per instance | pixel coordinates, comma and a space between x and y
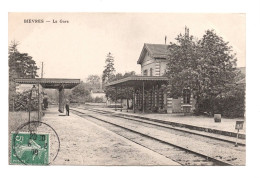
33, 94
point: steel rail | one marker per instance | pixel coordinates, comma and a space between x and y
151, 122
208, 158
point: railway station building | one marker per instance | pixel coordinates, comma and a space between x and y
151, 90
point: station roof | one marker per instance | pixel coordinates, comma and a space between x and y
138, 81
50, 82
155, 50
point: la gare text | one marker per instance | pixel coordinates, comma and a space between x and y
45, 21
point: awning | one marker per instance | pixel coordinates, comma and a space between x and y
50, 82
139, 81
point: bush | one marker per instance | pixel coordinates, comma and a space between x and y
155, 109
21, 102
230, 104
98, 99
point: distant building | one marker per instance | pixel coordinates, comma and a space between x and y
242, 82
94, 93
242, 70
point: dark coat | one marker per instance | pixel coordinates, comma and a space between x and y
67, 106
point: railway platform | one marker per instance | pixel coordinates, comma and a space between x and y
85, 143
198, 124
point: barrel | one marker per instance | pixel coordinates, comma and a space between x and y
217, 117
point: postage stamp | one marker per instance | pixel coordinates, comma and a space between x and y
30, 148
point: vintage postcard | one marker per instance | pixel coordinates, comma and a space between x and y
127, 89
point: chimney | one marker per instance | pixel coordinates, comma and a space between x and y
165, 39
186, 31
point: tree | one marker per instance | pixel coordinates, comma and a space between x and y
21, 65
22, 102
183, 62
129, 74
122, 92
79, 93
217, 66
128, 93
206, 66
53, 95
109, 70
111, 92
93, 82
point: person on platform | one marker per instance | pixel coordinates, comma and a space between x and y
67, 108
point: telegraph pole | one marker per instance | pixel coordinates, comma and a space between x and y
42, 71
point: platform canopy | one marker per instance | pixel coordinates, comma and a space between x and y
139, 81
50, 82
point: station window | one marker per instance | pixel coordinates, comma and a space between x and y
151, 72
145, 73
186, 96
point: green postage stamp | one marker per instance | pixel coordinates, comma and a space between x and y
30, 149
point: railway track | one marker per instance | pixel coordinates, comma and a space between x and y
177, 153
163, 125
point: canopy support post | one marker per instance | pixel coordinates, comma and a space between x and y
116, 99
61, 98
143, 97
127, 99
133, 101
157, 96
121, 106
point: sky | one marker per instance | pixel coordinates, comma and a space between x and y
79, 48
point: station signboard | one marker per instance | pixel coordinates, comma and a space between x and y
239, 125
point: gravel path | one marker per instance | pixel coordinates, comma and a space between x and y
85, 143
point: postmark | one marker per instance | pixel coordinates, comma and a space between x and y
33, 147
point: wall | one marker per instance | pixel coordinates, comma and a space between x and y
148, 63
100, 95
158, 66
93, 95
193, 103
177, 103
124, 102
163, 66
